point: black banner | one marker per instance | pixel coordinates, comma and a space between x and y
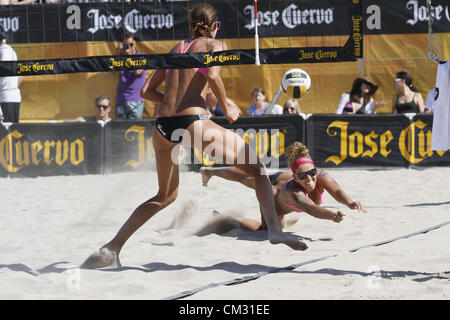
40, 23
356, 27
405, 16
31, 150
366, 140
175, 61
167, 20
269, 136
128, 146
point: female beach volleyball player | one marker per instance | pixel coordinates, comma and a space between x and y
302, 189
182, 106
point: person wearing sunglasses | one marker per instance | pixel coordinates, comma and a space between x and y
129, 103
408, 99
102, 110
291, 106
301, 189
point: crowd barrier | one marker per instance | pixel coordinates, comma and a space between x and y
335, 141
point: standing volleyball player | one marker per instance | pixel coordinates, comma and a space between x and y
182, 106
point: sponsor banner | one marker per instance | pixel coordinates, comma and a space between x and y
420, 136
405, 16
168, 20
269, 136
353, 140
5, 151
175, 61
129, 146
50, 23
356, 27
51, 149
30, 150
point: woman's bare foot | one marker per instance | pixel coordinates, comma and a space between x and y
289, 240
206, 175
102, 259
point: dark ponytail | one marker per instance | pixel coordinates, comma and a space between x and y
408, 80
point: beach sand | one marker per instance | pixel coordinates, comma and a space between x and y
50, 225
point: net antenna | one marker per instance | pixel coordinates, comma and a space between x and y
257, 62
432, 55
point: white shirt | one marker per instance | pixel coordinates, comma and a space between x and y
430, 99
440, 135
345, 98
9, 86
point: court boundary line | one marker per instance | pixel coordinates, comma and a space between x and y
292, 267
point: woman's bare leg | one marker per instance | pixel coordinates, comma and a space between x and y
249, 224
168, 178
228, 173
230, 148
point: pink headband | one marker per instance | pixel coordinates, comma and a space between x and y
300, 161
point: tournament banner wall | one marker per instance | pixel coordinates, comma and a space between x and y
30, 150
269, 136
335, 141
129, 146
352, 141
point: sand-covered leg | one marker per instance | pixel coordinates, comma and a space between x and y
219, 224
102, 259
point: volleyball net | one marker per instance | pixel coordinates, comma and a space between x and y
69, 38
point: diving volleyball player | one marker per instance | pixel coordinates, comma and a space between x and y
302, 189
182, 106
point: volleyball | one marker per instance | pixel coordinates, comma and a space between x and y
296, 83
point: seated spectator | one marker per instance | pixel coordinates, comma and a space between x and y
359, 100
102, 110
408, 99
430, 101
291, 106
260, 106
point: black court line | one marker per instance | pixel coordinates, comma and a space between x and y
258, 275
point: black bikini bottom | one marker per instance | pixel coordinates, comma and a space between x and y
168, 125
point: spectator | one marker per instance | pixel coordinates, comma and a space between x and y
102, 110
260, 105
359, 100
129, 103
430, 101
213, 105
408, 99
291, 106
10, 97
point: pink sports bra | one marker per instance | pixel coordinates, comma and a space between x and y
322, 195
203, 71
